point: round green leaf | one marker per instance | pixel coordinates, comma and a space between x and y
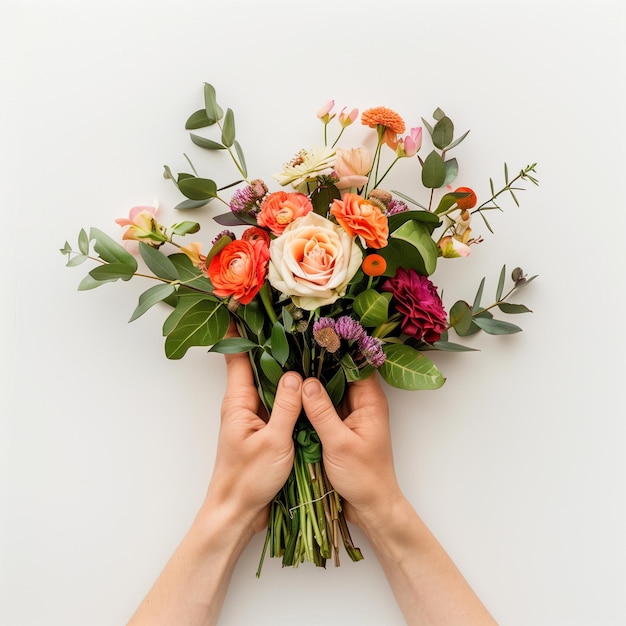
433, 171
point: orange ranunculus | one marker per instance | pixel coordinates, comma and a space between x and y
281, 208
255, 233
239, 270
363, 219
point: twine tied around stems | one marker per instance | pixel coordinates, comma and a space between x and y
293, 508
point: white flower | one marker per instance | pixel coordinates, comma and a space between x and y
306, 166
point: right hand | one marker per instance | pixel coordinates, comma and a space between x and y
357, 449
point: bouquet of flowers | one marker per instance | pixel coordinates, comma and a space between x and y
329, 276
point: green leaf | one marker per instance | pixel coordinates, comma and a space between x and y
406, 368
203, 324
233, 345
112, 271
279, 343
198, 188
157, 262
208, 144
191, 204
198, 119
185, 228
452, 169
217, 247
336, 387
512, 309
425, 217
371, 307
242, 160
420, 238
501, 283
76, 260
456, 142
433, 171
449, 200
270, 367
438, 114
150, 297
189, 274
496, 327
478, 297
322, 197
461, 317
408, 199
448, 346
253, 316
83, 242
111, 251
443, 132
228, 132
212, 109
89, 282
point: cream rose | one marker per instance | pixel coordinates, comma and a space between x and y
313, 261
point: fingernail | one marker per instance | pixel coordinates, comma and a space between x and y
311, 388
291, 381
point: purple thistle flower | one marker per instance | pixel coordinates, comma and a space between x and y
372, 350
243, 200
323, 322
325, 334
349, 329
396, 206
225, 233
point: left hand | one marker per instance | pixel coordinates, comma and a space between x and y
254, 456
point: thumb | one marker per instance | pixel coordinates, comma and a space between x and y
287, 404
320, 410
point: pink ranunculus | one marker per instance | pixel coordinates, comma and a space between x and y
416, 298
352, 167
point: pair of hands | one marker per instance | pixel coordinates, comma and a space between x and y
255, 456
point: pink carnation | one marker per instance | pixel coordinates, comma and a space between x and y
416, 298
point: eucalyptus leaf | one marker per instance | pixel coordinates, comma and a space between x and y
406, 368
253, 316
191, 204
198, 119
233, 219
157, 262
452, 169
89, 282
112, 271
242, 160
203, 324
111, 251
512, 309
150, 297
500, 287
213, 110
228, 132
189, 274
198, 188
496, 327
478, 297
433, 171
456, 142
449, 346
185, 228
449, 200
76, 260
443, 132
461, 317
83, 242
408, 199
208, 144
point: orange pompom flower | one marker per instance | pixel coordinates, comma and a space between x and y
382, 116
467, 202
374, 265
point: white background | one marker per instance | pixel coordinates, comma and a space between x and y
106, 448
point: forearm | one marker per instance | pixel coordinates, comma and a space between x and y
193, 584
429, 588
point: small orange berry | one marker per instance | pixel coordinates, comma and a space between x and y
374, 265
466, 202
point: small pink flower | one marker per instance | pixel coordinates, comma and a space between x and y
409, 146
324, 112
345, 119
142, 224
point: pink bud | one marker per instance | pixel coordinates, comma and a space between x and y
324, 112
345, 119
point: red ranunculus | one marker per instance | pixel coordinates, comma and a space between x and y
416, 298
239, 270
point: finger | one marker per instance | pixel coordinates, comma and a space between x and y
367, 394
320, 410
287, 404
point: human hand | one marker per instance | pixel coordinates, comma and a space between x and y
357, 450
254, 455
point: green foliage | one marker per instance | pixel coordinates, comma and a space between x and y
406, 368
372, 307
152, 296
